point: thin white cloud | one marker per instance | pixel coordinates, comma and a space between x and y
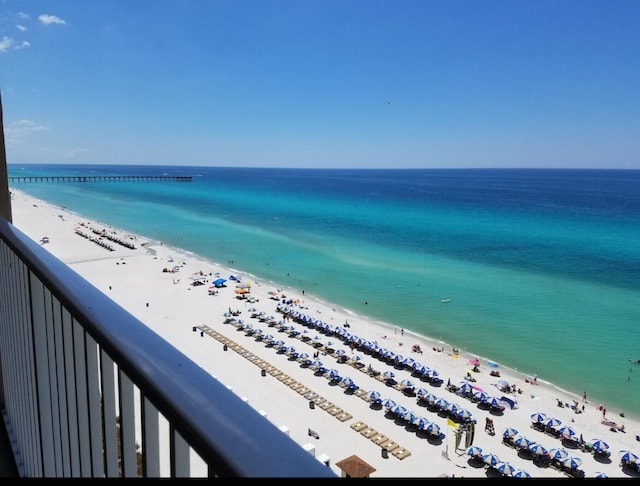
24, 15
7, 43
16, 132
50, 19
21, 28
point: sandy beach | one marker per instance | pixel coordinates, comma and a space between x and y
171, 291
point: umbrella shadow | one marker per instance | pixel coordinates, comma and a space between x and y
602, 459
476, 463
411, 427
492, 472
400, 422
570, 443
631, 470
525, 454
431, 438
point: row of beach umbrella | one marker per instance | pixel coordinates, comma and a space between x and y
373, 346
404, 413
493, 461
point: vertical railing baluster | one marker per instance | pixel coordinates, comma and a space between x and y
109, 416
127, 426
181, 461
150, 440
94, 385
59, 385
41, 354
79, 357
70, 374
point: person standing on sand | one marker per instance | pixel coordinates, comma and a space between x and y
584, 397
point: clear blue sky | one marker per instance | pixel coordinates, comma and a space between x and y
322, 83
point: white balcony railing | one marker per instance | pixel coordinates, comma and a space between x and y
89, 391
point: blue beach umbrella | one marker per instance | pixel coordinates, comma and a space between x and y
422, 392
399, 411
464, 414
334, 374
411, 417
538, 417
522, 442
601, 475
374, 396
509, 432
429, 398
566, 431
490, 459
409, 362
348, 382
480, 395
628, 456
441, 403
433, 428
389, 404
474, 451
558, 454
599, 445
520, 473
552, 422
538, 449
422, 422
423, 371
452, 408
572, 462
494, 402
466, 388
407, 384
505, 468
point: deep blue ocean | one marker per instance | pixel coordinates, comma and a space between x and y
542, 266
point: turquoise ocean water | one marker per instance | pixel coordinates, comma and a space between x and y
542, 266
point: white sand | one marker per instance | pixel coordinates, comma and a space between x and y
134, 278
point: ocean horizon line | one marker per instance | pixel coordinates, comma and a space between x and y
231, 167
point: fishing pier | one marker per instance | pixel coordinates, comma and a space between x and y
101, 178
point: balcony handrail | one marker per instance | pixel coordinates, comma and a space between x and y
231, 437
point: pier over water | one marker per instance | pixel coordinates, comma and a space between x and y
101, 178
